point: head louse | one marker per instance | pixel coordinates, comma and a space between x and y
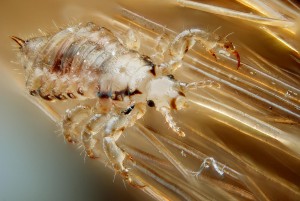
89, 62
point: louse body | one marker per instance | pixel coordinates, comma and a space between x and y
89, 62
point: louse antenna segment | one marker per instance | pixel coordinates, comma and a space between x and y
18, 40
200, 84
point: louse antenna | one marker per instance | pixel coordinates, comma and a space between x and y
183, 87
200, 84
166, 113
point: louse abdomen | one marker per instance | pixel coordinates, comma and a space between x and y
63, 67
81, 61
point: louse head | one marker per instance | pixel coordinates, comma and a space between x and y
29, 48
165, 92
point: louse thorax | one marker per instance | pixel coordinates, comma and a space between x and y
165, 92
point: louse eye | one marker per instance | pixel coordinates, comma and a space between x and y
150, 103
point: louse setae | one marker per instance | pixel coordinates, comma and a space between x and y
90, 62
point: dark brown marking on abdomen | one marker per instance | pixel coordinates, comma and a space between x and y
57, 65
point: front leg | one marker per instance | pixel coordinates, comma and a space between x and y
184, 41
113, 130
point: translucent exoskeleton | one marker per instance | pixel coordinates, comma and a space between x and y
89, 62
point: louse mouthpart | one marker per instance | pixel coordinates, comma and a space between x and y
18, 40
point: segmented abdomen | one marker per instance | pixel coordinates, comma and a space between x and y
77, 48
82, 61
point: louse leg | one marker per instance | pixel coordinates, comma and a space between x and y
178, 48
184, 41
162, 43
107, 128
71, 118
91, 134
113, 130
